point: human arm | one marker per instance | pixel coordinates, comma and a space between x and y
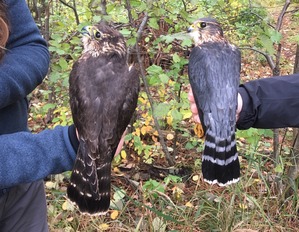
26, 61
270, 103
27, 157
265, 103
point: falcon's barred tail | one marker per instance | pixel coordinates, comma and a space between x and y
220, 163
89, 185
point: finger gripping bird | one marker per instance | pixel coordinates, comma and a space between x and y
214, 75
103, 97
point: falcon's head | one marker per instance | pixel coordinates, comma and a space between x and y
100, 39
206, 30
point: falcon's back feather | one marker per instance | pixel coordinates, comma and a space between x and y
103, 98
214, 72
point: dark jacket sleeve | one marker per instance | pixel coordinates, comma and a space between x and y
26, 61
270, 103
27, 157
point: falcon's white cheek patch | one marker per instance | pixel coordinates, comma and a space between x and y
195, 36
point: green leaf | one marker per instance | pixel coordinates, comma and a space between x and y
275, 36
176, 115
154, 69
189, 145
164, 78
267, 44
162, 109
278, 169
176, 58
125, 32
187, 42
63, 64
153, 23
49, 106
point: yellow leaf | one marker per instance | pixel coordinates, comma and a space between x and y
143, 130
51, 185
104, 226
114, 214
189, 204
177, 193
195, 178
147, 121
67, 206
70, 219
116, 170
123, 154
137, 131
198, 130
170, 136
169, 120
243, 206
187, 115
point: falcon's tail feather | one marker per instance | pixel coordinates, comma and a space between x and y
220, 163
89, 186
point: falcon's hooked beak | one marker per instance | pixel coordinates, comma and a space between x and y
86, 30
190, 29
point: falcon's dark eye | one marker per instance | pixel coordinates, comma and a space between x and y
98, 34
203, 24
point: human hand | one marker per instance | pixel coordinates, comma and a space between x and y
194, 109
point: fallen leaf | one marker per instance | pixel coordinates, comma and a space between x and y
123, 154
114, 214
67, 206
195, 178
243, 206
189, 204
169, 136
104, 226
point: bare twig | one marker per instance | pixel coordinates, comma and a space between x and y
261, 18
292, 11
146, 87
128, 7
73, 8
266, 55
282, 13
103, 5
276, 72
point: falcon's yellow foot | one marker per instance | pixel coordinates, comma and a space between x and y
198, 130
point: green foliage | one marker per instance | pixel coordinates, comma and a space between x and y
152, 188
253, 136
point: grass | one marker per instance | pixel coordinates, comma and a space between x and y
254, 204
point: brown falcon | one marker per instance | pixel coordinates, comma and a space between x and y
214, 73
103, 97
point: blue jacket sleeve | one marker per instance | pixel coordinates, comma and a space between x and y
27, 157
270, 103
26, 61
